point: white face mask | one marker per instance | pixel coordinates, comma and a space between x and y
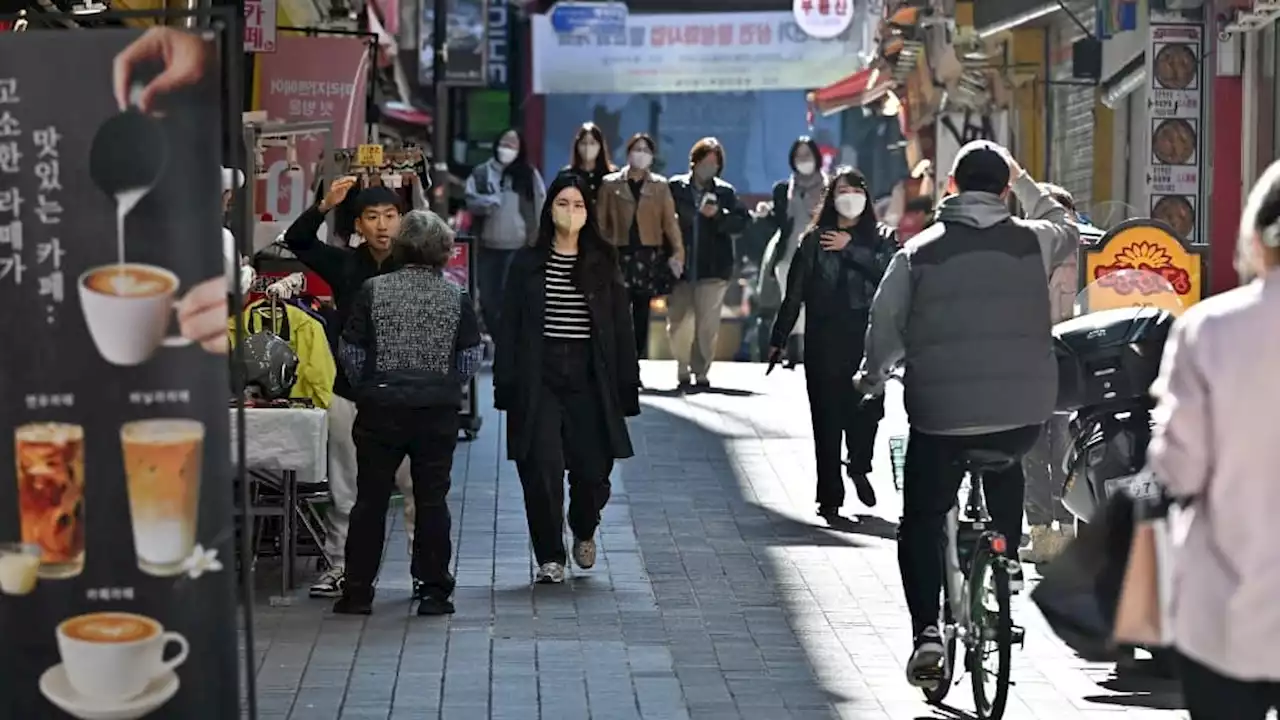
641, 160
806, 167
589, 151
506, 155
851, 205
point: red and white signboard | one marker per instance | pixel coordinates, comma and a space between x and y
309, 79
259, 26
823, 19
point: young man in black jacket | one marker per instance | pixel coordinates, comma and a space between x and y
410, 341
377, 220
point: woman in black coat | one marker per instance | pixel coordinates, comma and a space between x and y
567, 374
834, 274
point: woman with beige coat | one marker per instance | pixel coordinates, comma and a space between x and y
638, 215
1215, 449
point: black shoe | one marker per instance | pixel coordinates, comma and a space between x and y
419, 590
828, 511
431, 605
862, 486
354, 604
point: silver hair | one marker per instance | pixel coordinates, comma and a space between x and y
1255, 231
425, 239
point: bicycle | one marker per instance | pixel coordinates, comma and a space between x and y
976, 610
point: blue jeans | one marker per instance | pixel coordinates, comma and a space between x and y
491, 278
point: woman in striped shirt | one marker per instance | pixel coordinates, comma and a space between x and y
566, 372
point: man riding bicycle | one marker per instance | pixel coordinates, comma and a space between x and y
965, 306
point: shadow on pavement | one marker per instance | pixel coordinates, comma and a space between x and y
946, 712
870, 525
726, 594
1137, 688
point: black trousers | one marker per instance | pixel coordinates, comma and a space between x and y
832, 353
640, 323
1212, 696
837, 413
570, 433
932, 480
383, 437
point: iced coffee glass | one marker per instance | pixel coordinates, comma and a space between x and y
50, 468
162, 460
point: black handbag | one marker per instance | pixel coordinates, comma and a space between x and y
1078, 591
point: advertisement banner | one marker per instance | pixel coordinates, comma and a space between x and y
691, 52
309, 79
1148, 245
259, 26
1177, 174
117, 586
468, 43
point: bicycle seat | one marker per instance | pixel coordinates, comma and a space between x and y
982, 460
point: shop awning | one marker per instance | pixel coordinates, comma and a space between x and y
859, 89
1124, 81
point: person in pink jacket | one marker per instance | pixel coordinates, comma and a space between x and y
1215, 448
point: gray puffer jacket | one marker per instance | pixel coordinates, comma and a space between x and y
965, 305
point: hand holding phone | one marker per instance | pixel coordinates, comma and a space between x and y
709, 205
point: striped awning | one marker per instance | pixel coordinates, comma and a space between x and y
859, 89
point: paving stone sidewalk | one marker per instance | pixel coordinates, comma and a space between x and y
718, 595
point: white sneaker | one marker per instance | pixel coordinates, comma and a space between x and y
584, 553
551, 573
1013, 569
924, 667
330, 584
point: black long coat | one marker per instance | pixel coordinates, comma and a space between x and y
517, 366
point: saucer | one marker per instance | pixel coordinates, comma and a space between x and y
55, 686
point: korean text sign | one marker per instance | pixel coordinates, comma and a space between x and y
309, 79
116, 518
694, 52
259, 26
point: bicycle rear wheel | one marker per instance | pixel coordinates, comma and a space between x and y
990, 654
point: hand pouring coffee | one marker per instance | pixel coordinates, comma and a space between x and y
127, 306
126, 161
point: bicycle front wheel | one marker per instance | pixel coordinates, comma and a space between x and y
992, 624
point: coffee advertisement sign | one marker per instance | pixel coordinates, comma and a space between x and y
117, 591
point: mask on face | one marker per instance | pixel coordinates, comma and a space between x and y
851, 205
705, 171
569, 220
506, 155
806, 167
589, 151
641, 160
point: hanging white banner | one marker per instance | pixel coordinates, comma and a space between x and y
691, 52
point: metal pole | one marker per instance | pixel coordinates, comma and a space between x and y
440, 121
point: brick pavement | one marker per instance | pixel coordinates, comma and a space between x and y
716, 596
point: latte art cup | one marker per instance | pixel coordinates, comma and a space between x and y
128, 309
112, 657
